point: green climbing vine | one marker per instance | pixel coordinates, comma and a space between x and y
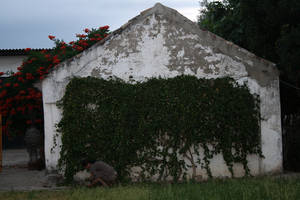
159, 125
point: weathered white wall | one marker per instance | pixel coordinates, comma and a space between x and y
161, 42
10, 63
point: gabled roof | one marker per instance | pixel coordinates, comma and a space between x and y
17, 52
208, 52
158, 8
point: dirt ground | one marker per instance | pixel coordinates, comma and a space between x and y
16, 176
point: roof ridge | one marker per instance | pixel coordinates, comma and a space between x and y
207, 36
159, 8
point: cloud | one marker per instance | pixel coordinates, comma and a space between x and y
190, 12
28, 23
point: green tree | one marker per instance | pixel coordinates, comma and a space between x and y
268, 28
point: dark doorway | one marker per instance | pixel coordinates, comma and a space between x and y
290, 112
16, 142
291, 142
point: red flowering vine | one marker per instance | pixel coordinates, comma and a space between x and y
19, 99
51, 37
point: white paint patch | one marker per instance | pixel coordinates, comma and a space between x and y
180, 53
251, 83
213, 58
223, 66
188, 36
150, 60
249, 62
188, 71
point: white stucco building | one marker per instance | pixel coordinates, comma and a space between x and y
11, 59
162, 42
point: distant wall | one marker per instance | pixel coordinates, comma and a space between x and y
11, 63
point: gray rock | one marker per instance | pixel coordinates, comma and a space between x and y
82, 177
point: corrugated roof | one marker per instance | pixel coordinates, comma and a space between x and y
17, 52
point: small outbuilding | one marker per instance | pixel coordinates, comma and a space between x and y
160, 42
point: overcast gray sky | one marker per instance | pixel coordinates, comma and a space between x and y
27, 23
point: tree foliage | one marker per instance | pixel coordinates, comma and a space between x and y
20, 101
268, 28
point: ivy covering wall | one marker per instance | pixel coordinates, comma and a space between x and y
158, 124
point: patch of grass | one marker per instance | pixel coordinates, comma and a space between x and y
258, 189
231, 189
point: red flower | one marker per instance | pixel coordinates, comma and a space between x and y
19, 109
3, 93
22, 92
8, 101
81, 35
27, 49
16, 85
17, 74
63, 47
1, 73
56, 60
71, 42
29, 76
28, 122
104, 27
51, 37
30, 107
83, 43
38, 95
4, 113
7, 84
87, 30
38, 121
13, 112
20, 68
79, 48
